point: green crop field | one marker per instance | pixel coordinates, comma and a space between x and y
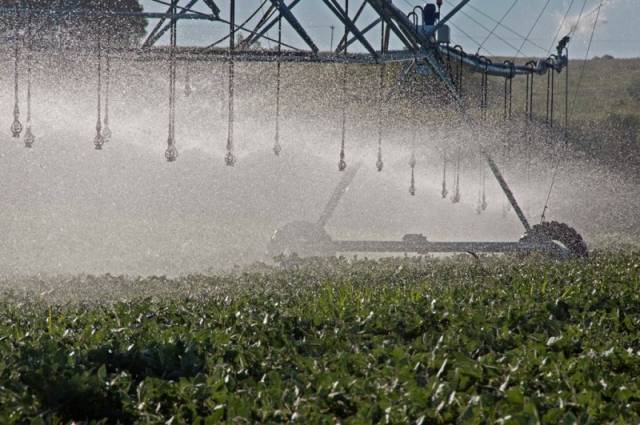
411, 340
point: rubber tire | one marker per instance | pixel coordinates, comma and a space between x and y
565, 234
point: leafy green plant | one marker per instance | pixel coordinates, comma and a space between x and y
412, 340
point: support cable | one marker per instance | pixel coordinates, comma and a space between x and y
533, 27
586, 56
564, 19
498, 23
484, 27
553, 181
507, 28
461, 31
577, 23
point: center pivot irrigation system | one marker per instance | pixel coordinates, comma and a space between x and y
426, 44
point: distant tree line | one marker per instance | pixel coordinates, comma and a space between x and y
51, 22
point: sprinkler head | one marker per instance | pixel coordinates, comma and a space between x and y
444, 192
342, 165
98, 141
379, 164
106, 133
171, 154
16, 128
412, 190
230, 159
29, 138
277, 149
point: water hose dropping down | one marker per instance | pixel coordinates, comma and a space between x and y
106, 131
342, 164
188, 90
29, 138
98, 141
379, 163
456, 180
444, 191
230, 158
482, 193
277, 148
171, 154
412, 164
16, 126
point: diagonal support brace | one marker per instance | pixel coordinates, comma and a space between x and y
291, 19
342, 16
159, 32
343, 40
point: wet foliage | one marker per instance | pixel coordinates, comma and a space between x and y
410, 340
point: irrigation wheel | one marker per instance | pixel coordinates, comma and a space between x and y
562, 233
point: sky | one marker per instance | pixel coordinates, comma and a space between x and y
616, 30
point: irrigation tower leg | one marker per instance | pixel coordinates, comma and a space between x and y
507, 191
